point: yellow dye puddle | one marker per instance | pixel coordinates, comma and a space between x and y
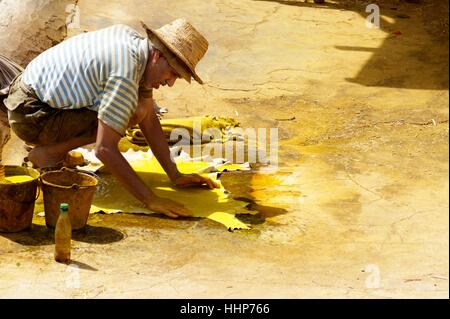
203, 202
18, 178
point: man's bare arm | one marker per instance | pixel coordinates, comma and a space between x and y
152, 130
107, 151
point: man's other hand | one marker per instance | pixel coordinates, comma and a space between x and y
168, 207
185, 180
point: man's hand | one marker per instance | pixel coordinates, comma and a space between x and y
185, 180
168, 207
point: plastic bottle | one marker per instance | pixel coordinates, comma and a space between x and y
63, 235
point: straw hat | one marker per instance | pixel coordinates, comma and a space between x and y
182, 46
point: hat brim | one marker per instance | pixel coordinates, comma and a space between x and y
152, 35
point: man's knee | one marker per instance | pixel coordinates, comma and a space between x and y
23, 127
69, 124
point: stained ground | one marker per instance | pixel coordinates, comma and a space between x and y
358, 206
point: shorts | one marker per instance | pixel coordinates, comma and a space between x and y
38, 123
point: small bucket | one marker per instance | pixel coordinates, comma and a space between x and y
17, 200
73, 187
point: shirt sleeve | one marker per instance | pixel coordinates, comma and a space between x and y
118, 103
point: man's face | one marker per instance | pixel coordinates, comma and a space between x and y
158, 72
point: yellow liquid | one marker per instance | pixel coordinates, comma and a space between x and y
18, 178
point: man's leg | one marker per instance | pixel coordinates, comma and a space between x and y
62, 132
53, 155
53, 132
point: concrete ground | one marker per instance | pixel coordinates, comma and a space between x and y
358, 207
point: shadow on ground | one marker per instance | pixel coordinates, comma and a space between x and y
39, 235
397, 63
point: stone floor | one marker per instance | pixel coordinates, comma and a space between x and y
358, 207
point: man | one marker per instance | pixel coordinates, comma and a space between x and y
91, 87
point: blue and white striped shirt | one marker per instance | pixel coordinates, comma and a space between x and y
100, 70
